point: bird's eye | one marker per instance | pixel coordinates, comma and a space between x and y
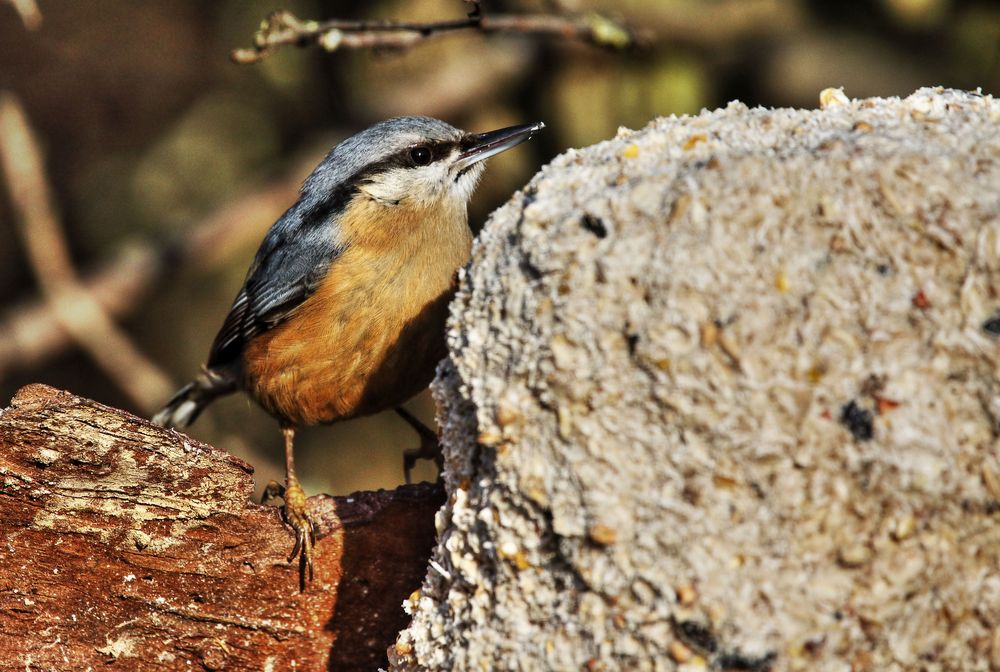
420, 156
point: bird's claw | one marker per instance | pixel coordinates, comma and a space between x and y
272, 491
410, 457
297, 517
430, 447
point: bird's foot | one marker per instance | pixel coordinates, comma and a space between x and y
272, 491
297, 517
428, 450
430, 447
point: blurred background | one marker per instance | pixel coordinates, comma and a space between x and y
167, 162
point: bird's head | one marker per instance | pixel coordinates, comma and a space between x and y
414, 161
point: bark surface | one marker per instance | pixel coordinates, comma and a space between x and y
124, 546
723, 394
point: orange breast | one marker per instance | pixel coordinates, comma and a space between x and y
371, 335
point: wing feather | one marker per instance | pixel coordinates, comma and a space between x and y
291, 263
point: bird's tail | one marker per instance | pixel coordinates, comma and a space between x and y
185, 406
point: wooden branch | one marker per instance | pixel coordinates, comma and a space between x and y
127, 546
282, 28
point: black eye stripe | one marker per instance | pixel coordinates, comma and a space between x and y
401, 159
438, 150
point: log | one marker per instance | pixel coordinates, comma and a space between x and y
127, 546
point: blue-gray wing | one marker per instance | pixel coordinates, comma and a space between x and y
290, 264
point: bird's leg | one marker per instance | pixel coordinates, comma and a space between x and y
296, 514
430, 448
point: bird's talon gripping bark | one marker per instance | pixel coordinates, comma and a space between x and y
272, 491
430, 447
297, 517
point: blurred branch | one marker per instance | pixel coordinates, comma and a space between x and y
76, 310
28, 10
282, 28
33, 332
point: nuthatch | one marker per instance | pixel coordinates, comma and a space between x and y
342, 312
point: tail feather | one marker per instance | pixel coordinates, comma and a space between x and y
185, 406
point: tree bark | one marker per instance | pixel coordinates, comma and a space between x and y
127, 546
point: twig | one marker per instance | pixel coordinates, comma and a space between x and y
283, 28
75, 308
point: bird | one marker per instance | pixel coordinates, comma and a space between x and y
342, 312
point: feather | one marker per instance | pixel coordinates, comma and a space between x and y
185, 406
290, 264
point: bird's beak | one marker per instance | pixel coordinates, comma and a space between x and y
481, 146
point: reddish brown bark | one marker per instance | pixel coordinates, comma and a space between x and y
126, 546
